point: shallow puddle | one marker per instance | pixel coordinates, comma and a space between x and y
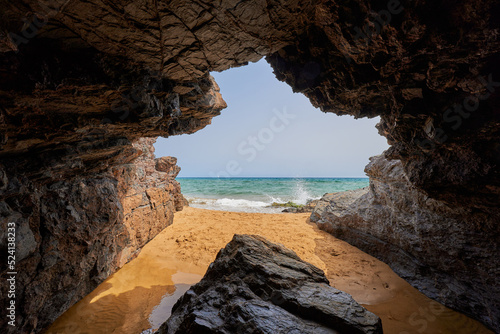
162, 311
139, 296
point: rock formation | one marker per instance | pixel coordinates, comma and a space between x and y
438, 248
255, 286
149, 196
80, 81
72, 234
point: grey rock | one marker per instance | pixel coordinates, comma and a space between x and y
309, 207
255, 286
450, 253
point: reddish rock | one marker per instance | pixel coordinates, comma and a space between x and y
149, 197
168, 165
73, 233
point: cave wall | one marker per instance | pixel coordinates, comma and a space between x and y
429, 69
149, 195
81, 81
73, 233
448, 252
68, 234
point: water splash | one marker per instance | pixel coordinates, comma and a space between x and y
258, 194
300, 193
273, 199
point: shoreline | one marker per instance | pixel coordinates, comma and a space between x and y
258, 194
126, 301
232, 205
243, 205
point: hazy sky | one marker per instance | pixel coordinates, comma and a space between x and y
267, 130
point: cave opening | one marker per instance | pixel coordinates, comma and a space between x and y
270, 145
266, 133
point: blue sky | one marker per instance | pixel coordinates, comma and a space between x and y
267, 130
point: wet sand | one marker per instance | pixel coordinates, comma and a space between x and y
139, 296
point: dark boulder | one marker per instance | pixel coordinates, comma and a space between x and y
255, 286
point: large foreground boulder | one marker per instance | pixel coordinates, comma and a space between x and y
255, 286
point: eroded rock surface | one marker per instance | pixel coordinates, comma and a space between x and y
255, 286
429, 69
449, 253
149, 195
72, 234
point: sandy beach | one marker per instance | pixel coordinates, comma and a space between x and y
139, 296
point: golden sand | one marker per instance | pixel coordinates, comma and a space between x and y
139, 296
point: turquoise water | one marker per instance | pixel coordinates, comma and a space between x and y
257, 194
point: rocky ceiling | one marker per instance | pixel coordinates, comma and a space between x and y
428, 68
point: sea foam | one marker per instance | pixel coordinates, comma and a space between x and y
258, 194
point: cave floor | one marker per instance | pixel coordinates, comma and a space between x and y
140, 295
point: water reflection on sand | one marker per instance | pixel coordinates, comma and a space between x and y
137, 297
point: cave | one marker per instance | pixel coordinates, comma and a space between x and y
84, 86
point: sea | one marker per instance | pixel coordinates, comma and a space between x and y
252, 194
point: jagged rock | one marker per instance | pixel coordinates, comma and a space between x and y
335, 202
309, 207
72, 234
255, 286
149, 196
449, 253
168, 165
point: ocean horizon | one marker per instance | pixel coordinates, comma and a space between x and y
257, 194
